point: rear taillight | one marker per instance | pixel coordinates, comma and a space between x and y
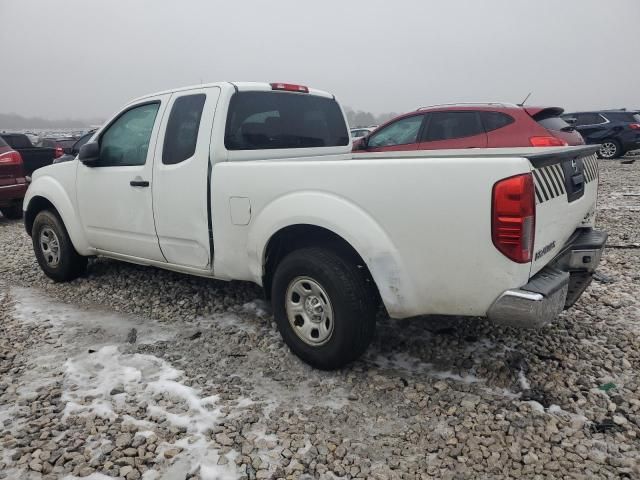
634, 126
513, 217
547, 142
59, 152
10, 158
289, 87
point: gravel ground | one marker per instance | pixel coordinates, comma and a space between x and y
135, 372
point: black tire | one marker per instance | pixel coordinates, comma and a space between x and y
70, 264
610, 149
12, 212
351, 297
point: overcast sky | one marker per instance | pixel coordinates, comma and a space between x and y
79, 58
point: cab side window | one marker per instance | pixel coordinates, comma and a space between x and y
181, 136
402, 132
126, 141
451, 125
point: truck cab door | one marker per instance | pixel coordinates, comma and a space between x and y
181, 178
114, 196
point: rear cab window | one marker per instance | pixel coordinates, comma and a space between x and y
264, 120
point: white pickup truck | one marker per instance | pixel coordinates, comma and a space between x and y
256, 182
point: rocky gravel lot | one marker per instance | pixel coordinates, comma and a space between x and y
134, 372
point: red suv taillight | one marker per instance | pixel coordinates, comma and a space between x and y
10, 158
634, 126
513, 217
547, 142
59, 152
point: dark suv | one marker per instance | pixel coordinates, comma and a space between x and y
617, 131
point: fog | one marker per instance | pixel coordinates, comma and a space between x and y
83, 59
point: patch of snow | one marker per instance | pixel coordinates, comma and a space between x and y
93, 476
217, 472
90, 377
403, 361
565, 415
536, 406
261, 434
244, 402
258, 307
411, 365
33, 306
523, 381
229, 320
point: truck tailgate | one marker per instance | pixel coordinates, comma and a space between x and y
36, 157
566, 188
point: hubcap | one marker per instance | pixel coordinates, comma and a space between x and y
608, 149
50, 246
309, 311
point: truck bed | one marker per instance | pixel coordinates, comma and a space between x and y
36, 157
428, 212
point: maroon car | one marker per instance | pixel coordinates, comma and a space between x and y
481, 125
13, 184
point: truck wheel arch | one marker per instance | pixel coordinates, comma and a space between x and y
320, 217
294, 237
36, 205
46, 194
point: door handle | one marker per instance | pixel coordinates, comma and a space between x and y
139, 183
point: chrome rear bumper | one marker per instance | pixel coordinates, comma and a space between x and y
554, 288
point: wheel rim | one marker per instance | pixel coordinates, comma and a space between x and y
309, 311
50, 246
608, 149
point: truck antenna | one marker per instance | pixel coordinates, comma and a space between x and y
525, 100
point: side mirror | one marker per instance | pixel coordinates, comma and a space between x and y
570, 120
90, 154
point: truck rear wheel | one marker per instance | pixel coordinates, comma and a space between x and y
323, 306
54, 250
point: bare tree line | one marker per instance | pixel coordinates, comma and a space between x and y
359, 118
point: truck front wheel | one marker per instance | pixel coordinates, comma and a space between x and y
54, 250
323, 306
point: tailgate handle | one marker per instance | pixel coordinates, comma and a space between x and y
578, 180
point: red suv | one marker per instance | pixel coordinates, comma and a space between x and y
13, 184
481, 125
